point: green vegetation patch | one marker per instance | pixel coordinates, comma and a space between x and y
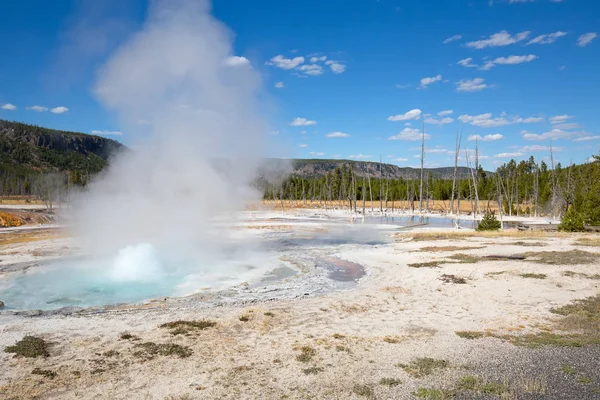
424, 366
29, 346
433, 394
186, 327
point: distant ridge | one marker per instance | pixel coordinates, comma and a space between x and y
311, 168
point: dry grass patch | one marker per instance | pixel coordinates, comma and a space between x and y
306, 354
440, 249
31, 236
526, 244
428, 264
395, 290
588, 241
470, 334
573, 274
572, 257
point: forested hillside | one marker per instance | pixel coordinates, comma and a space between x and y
30, 155
528, 187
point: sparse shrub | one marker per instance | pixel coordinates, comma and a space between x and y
433, 394
44, 372
312, 370
493, 388
364, 390
533, 276
470, 334
186, 327
149, 350
128, 336
306, 354
244, 318
468, 383
29, 346
568, 370
489, 222
572, 221
269, 314
390, 382
421, 367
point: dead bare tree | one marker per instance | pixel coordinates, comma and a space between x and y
456, 153
422, 163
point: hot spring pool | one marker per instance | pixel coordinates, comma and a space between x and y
136, 274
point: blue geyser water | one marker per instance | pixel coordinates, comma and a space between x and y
137, 273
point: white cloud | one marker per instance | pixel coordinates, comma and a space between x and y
337, 135
559, 119
531, 120
107, 133
274, 133
586, 138
279, 85
59, 110
487, 121
399, 159
359, 156
311, 69
280, 61
236, 61
452, 39
509, 155
437, 150
410, 135
303, 132
586, 39
510, 60
554, 134
467, 63
502, 38
10, 107
302, 122
441, 121
412, 114
547, 38
38, 108
445, 112
486, 138
303, 146
429, 80
336, 67
471, 85
537, 147
571, 125
318, 59
317, 153
402, 86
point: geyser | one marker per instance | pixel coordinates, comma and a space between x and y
189, 106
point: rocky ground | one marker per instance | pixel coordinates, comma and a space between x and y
439, 314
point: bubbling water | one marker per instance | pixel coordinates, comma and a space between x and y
138, 262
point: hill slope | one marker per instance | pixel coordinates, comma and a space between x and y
316, 167
28, 149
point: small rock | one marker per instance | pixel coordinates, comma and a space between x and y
1, 305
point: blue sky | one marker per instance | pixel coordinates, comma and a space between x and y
347, 79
